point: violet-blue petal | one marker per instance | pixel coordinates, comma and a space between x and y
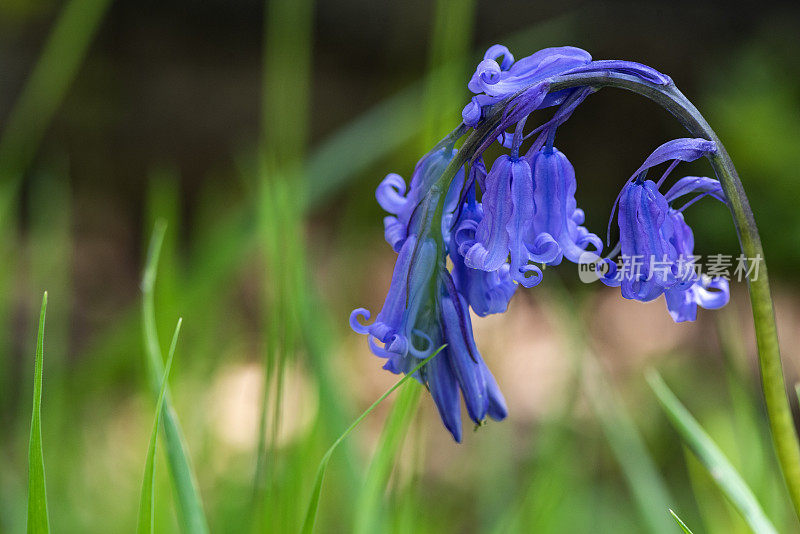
396, 327
497, 409
444, 390
691, 290
485, 292
536, 67
461, 349
695, 184
643, 214
390, 194
682, 238
490, 249
683, 149
420, 279
473, 112
712, 293
452, 201
454, 192
487, 73
496, 51
394, 231
520, 221
707, 293
388, 321
681, 305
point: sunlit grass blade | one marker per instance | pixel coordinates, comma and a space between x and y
190, 507
712, 458
313, 505
715, 511
147, 500
38, 518
680, 522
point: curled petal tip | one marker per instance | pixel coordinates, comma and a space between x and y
495, 51
489, 71
390, 193
354, 320
528, 276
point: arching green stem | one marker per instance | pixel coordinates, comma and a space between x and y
784, 435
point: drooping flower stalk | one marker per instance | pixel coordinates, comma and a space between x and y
493, 242
784, 434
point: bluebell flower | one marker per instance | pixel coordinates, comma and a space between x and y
392, 196
508, 214
493, 82
704, 291
557, 220
394, 334
645, 229
527, 215
424, 310
530, 215
459, 366
485, 292
656, 243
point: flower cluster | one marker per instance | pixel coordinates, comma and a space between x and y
499, 228
649, 227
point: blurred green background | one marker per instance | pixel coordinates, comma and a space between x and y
258, 133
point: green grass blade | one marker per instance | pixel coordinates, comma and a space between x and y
313, 505
38, 518
394, 432
712, 458
680, 522
280, 203
190, 507
147, 500
44, 90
